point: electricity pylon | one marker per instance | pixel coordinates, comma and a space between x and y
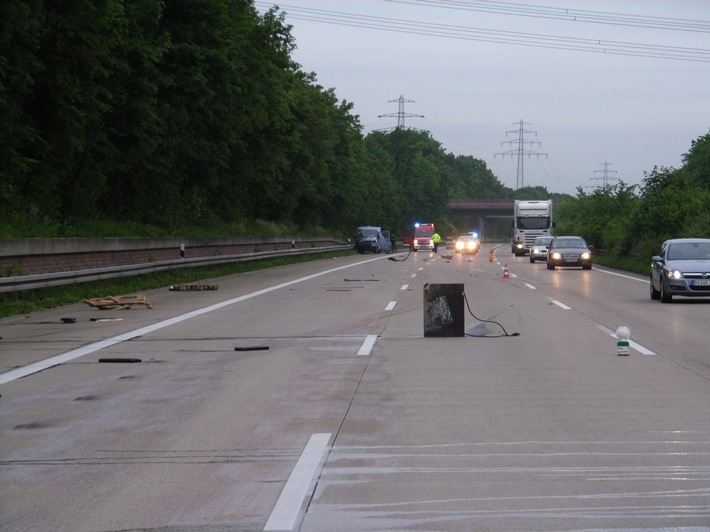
605, 178
520, 151
400, 114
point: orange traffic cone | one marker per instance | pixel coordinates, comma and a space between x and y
506, 275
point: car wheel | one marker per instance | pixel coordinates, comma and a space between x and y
665, 296
587, 267
532, 261
655, 294
550, 266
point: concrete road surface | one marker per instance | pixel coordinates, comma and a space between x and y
335, 412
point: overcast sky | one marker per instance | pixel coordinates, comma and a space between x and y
581, 109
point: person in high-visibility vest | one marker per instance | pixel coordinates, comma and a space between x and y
436, 239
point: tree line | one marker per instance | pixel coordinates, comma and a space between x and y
193, 113
630, 221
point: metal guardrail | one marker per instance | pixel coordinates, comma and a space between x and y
45, 280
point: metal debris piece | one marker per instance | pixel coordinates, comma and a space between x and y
121, 360
253, 348
192, 287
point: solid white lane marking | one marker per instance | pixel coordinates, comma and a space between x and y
638, 347
622, 275
561, 305
367, 345
531, 287
404, 287
641, 349
390, 305
91, 348
298, 485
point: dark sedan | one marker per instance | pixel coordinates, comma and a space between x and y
569, 251
681, 269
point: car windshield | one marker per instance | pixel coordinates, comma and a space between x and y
367, 233
570, 243
689, 251
423, 232
533, 223
542, 241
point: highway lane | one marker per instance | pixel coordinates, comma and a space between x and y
353, 415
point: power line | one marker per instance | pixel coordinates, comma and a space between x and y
566, 14
450, 31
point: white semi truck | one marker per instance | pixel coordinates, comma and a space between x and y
531, 219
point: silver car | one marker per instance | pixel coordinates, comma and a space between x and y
681, 269
538, 250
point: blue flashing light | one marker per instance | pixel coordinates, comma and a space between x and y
416, 224
474, 234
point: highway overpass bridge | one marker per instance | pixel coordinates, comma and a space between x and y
474, 212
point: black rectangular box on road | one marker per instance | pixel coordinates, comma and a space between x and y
443, 309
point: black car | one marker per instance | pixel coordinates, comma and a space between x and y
569, 251
681, 269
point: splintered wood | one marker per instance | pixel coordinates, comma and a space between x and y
117, 302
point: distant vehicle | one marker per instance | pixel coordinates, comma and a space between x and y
531, 219
538, 250
681, 269
372, 238
422, 237
569, 251
467, 245
450, 242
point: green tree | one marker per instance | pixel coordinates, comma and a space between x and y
21, 33
697, 162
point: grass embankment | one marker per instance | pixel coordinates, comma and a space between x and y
628, 264
26, 301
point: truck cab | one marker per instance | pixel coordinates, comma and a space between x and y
531, 219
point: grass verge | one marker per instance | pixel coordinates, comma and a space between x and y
628, 264
26, 301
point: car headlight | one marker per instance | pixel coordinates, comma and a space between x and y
459, 245
674, 274
586, 255
519, 245
557, 255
